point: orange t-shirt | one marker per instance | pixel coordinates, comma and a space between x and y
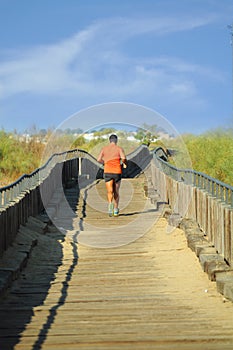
112, 155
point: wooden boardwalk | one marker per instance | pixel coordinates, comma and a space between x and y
132, 286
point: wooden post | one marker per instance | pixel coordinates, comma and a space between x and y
231, 238
227, 234
79, 166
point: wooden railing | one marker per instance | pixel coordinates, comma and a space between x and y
189, 193
31, 193
22, 198
195, 195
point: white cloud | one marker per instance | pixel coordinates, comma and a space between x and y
184, 88
93, 62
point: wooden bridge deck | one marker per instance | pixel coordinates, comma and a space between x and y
110, 293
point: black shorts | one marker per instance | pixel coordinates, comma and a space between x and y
110, 176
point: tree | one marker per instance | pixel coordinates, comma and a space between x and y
146, 134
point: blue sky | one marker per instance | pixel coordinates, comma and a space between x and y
58, 57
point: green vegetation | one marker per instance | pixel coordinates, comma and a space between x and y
210, 153
17, 157
22, 154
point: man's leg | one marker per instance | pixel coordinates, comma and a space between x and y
116, 193
110, 196
110, 189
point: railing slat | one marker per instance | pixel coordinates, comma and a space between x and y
209, 202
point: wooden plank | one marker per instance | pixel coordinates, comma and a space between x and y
148, 294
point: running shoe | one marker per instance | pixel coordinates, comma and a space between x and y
110, 209
116, 212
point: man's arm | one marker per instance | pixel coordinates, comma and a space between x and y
123, 158
100, 158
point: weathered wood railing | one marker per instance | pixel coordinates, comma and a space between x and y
31, 193
22, 198
190, 194
195, 195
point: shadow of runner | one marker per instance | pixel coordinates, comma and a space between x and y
139, 212
156, 209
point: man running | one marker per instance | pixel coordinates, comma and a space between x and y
111, 156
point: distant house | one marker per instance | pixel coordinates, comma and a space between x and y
132, 138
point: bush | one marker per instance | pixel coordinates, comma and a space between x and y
212, 154
17, 157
